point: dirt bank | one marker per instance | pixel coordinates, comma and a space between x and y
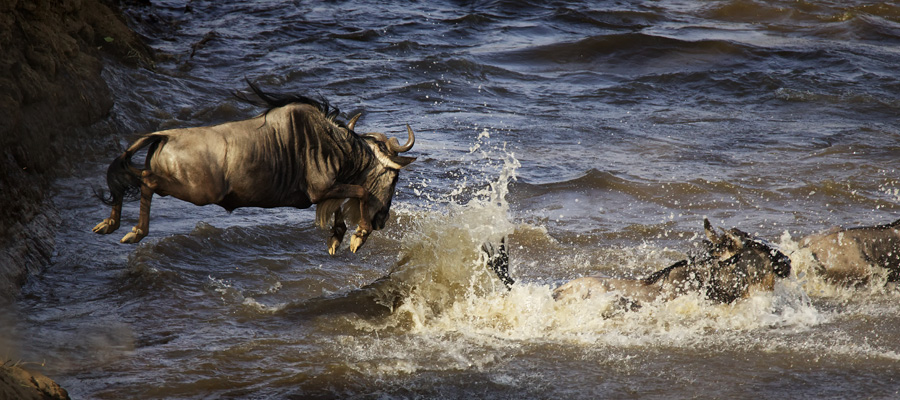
51, 92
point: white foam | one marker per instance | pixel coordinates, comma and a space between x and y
459, 315
455, 292
233, 295
262, 308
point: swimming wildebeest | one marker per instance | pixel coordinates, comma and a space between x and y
727, 268
295, 154
850, 256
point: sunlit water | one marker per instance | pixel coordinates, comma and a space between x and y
596, 136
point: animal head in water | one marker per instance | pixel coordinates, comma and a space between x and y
738, 261
387, 151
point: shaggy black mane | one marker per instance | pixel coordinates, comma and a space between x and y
270, 101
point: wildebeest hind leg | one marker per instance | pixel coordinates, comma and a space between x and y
143, 226
110, 224
337, 232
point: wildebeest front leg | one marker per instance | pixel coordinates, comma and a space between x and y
110, 224
365, 225
337, 232
143, 226
365, 221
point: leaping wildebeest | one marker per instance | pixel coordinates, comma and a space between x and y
729, 266
295, 154
852, 255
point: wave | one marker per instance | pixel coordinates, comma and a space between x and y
608, 18
780, 10
844, 97
868, 22
625, 49
363, 35
695, 194
468, 68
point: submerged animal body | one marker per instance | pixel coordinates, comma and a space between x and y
296, 154
851, 256
730, 267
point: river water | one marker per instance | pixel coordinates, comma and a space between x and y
596, 135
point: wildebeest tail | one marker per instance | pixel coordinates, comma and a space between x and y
122, 178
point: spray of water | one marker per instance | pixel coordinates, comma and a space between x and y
457, 307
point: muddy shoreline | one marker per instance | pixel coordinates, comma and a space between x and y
52, 97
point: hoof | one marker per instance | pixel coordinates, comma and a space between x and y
333, 244
106, 227
357, 240
134, 236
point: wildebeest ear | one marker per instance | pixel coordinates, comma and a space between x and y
402, 161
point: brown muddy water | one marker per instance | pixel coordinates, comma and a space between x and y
597, 135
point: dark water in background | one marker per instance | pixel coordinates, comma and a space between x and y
597, 134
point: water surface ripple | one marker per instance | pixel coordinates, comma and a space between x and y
597, 134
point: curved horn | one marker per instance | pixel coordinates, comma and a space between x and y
353, 120
395, 146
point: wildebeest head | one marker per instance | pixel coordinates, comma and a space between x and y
738, 261
387, 152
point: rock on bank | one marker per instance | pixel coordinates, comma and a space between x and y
17, 383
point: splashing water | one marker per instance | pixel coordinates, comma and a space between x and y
631, 121
457, 308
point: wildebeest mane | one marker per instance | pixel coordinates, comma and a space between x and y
325, 209
271, 101
330, 113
